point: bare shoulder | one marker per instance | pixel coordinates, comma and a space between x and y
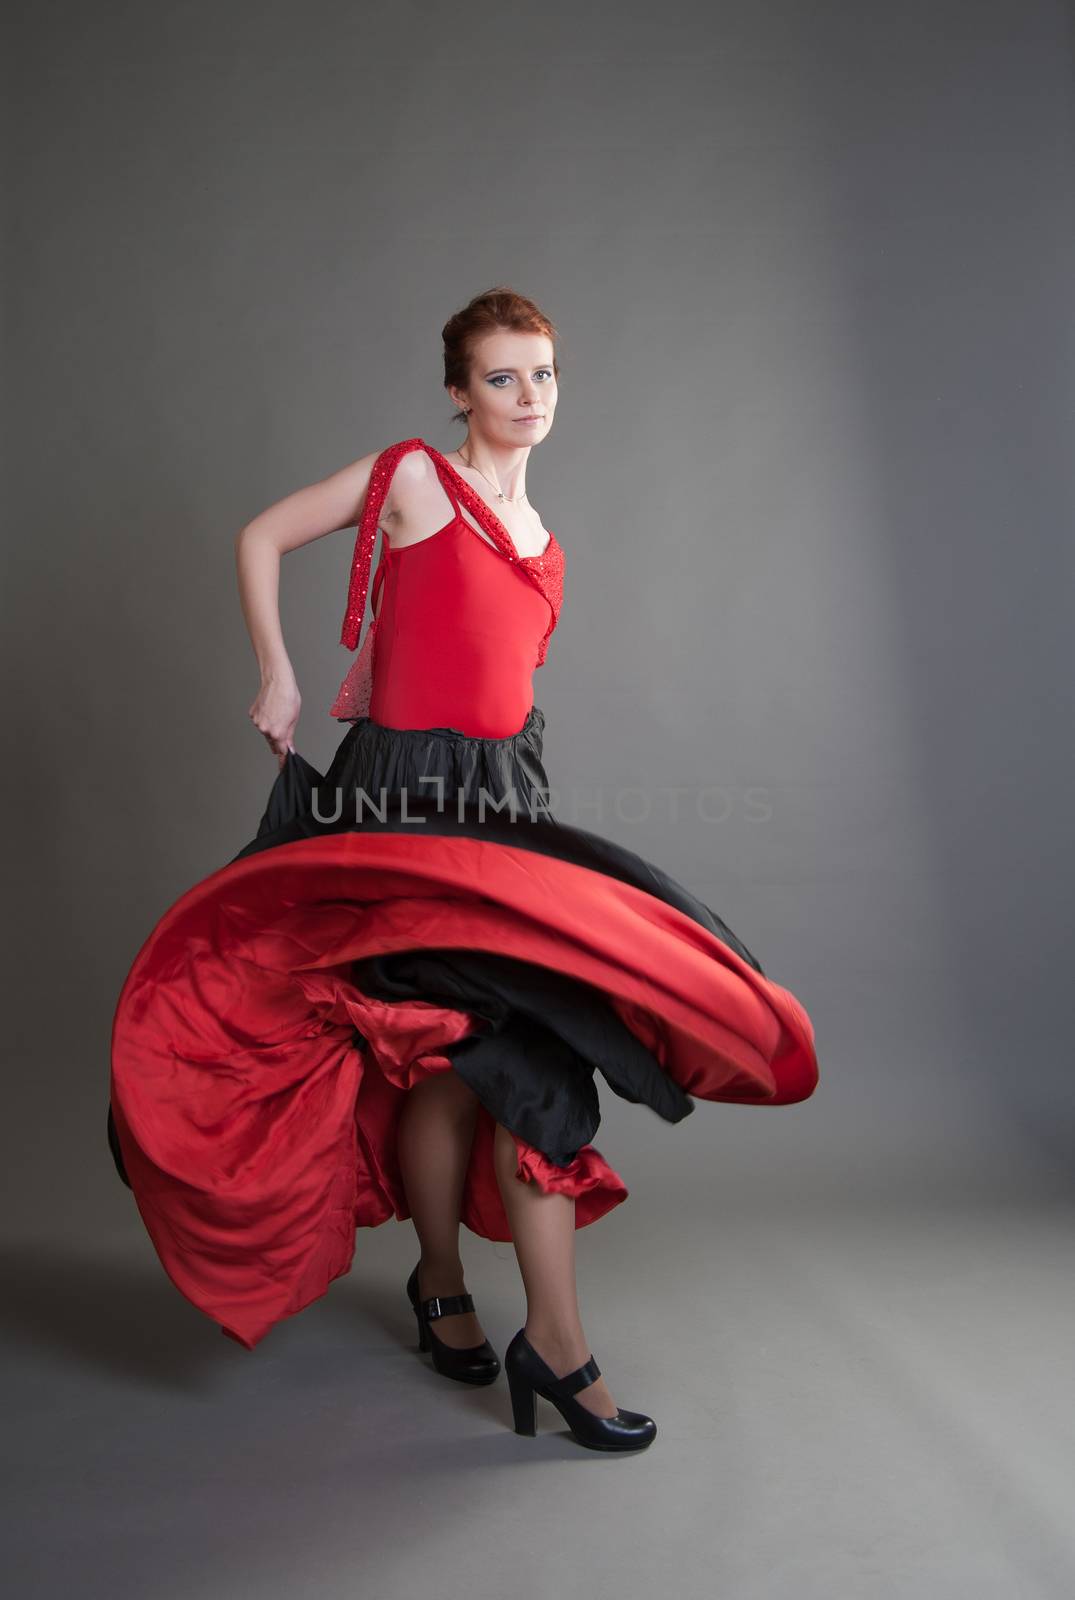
406, 474
413, 492
415, 470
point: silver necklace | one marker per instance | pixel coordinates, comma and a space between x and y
506, 499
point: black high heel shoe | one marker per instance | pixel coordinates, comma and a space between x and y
529, 1376
478, 1363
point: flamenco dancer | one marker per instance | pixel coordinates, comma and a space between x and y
394, 1000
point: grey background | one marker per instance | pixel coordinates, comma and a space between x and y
811, 466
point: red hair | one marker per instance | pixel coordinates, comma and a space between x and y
496, 308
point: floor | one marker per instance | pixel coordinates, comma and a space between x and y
869, 1398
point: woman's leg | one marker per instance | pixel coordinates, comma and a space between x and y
543, 1231
435, 1133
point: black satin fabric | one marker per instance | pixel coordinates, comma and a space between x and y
543, 1033
441, 764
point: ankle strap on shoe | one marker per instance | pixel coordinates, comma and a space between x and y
446, 1305
582, 1376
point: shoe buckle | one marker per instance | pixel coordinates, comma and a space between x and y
432, 1308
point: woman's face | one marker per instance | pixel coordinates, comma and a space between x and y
511, 376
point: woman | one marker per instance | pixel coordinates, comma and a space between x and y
393, 1000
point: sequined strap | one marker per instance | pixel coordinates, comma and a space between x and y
380, 478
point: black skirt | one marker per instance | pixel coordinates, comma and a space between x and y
416, 909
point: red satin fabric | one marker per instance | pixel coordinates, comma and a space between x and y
258, 1136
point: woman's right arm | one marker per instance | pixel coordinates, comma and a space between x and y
310, 513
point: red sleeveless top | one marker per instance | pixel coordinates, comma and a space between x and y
461, 624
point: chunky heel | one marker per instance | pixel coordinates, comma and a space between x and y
477, 1363
529, 1375
523, 1404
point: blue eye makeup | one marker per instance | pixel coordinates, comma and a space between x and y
495, 379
